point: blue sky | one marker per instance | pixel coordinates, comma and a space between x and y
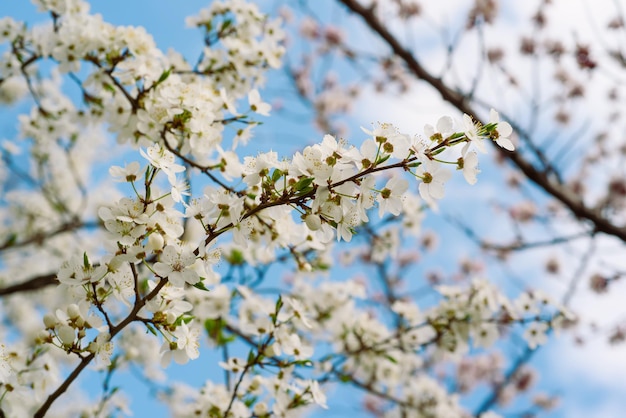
165, 21
588, 391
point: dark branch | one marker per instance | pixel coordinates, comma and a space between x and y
567, 197
31, 285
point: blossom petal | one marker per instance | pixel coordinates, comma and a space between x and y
445, 124
505, 143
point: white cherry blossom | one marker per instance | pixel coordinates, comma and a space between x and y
535, 334
469, 165
158, 280
257, 105
390, 198
433, 177
175, 266
187, 345
502, 132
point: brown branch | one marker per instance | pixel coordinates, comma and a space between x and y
567, 197
517, 244
40, 237
31, 285
528, 353
132, 316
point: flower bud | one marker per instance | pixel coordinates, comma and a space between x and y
272, 350
155, 242
73, 311
313, 222
50, 321
255, 384
42, 337
80, 322
66, 334
260, 409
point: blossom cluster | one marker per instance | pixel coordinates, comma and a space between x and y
149, 290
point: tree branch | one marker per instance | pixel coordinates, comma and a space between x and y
563, 194
31, 285
132, 316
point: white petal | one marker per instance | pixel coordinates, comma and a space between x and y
254, 97
162, 269
436, 190
505, 143
442, 175
66, 334
505, 129
494, 117
423, 189
190, 277
367, 132
170, 255
445, 124
177, 279
480, 145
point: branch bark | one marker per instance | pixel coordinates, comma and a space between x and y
132, 316
560, 192
31, 285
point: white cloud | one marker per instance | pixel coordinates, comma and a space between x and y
596, 366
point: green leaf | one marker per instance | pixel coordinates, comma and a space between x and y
490, 127
164, 75
183, 319
227, 23
457, 135
279, 303
235, 258
89, 99
276, 174
322, 266
382, 159
200, 285
108, 87
86, 260
12, 239
305, 191
215, 331
251, 357
212, 326
439, 151
391, 359
250, 401
303, 184
151, 329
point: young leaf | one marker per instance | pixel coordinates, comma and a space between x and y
200, 285
303, 183
151, 329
